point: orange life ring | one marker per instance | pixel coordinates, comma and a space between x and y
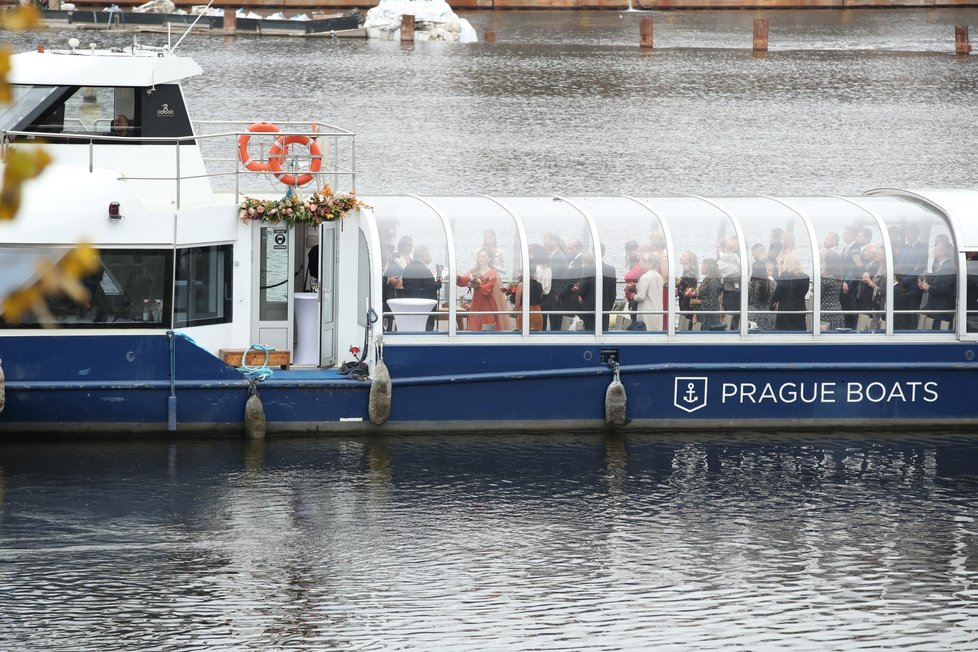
256, 127
276, 155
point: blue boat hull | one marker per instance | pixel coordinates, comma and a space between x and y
122, 383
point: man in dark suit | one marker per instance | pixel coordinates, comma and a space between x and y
941, 288
909, 262
418, 282
577, 270
586, 294
559, 267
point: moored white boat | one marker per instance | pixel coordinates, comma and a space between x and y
734, 342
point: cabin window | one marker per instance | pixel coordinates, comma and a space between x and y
922, 288
709, 267
103, 111
632, 236
489, 267
130, 290
414, 256
89, 110
157, 112
202, 291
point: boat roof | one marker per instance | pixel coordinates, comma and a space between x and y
92, 67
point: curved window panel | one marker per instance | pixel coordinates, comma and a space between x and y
838, 224
633, 243
924, 282
414, 254
779, 268
488, 260
700, 233
559, 243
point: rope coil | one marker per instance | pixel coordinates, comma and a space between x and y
259, 372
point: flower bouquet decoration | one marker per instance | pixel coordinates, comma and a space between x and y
319, 207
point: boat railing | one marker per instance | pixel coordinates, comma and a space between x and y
306, 155
623, 320
323, 153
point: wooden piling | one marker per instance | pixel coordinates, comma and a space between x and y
760, 34
407, 28
961, 43
490, 37
645, 33
230, 22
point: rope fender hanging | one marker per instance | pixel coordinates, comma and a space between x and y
615, 399
3, 388
379, 403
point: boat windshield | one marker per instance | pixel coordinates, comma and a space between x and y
26, 101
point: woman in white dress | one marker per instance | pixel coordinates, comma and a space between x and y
648, 293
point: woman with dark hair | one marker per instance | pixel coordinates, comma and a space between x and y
707, 298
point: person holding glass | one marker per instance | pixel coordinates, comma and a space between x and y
481, 280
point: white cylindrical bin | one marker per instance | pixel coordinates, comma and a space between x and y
306, 329
417, 317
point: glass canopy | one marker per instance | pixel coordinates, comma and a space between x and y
677, 266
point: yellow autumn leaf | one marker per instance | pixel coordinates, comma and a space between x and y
23, 18
21, 165
5, 95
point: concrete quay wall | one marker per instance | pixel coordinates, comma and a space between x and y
297, 6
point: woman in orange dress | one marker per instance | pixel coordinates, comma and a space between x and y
483, 279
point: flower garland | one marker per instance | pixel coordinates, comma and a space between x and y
322, 206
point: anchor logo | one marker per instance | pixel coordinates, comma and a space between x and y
690, 393
165, 111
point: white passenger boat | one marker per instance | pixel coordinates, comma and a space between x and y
410, 313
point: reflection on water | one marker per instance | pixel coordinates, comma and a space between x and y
513, 542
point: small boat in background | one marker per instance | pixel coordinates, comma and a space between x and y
239, 269
318, 24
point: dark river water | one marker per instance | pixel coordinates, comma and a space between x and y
470, 542
558, 542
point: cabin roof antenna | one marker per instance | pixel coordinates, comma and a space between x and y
180, 40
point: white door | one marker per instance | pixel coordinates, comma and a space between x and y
327, 294
273, 282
